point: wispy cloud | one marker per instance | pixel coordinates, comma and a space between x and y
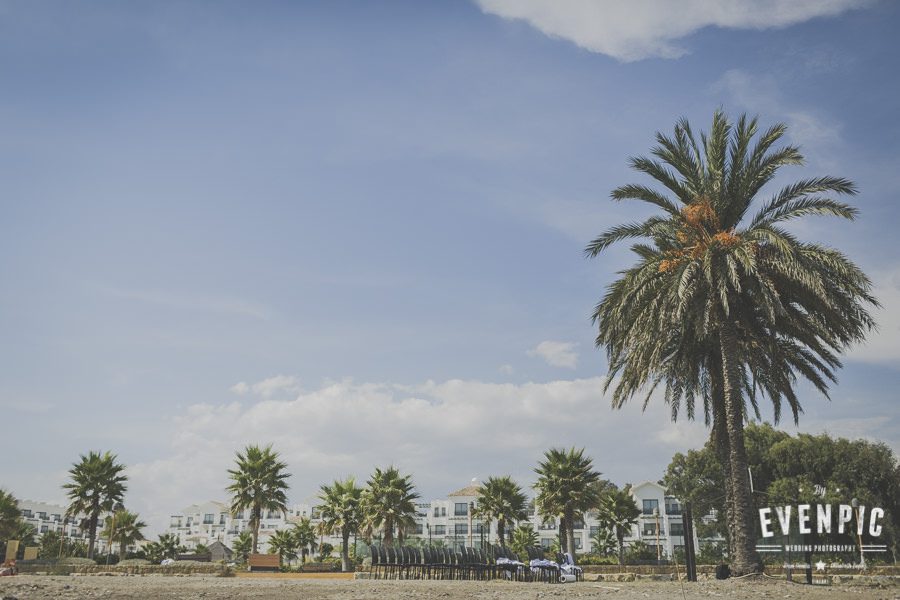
639, 29
280, 384
192, 302
556, 354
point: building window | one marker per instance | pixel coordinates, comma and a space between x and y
419, 528
548, 525
56, 518
42, 516
461, 509
461, 528
546, 542
479, 528
27, 513
314, 512
239, 515
578, 542
578, 524
221, 518
650, 529
439, 530
44, 528
190, 521
595, 529
649, 505
271, 514
676, 528
208, 519
673, 507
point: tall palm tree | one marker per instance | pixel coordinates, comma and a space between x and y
501, 499
724, 303
567, 486
284, 544
259, 483
123, 528
305, 535
390, 502
618, 513
97, 484
341, 512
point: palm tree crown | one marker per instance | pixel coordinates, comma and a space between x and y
567, 486
390, 502
501, 499
619, 512
305, 536
725, 302
284, 544
259, 483
97, 484
123, 528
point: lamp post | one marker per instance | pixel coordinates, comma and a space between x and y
656, 516
855, 504
471, 510
112, 527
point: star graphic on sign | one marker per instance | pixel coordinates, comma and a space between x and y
820, 566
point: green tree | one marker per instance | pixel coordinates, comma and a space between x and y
9, 514
258, 483
325, 550
727, 302
341, 513
200, 549
242, 546
501, 499
523, 537
169, 546
284, 544
604, 541
123, 528
389, 502
618, 513
567, 487
305, 535
97, 483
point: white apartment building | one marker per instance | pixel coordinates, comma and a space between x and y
449, 521
46, 517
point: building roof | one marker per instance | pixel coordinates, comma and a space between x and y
470, 490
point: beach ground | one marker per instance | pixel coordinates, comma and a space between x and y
29, 587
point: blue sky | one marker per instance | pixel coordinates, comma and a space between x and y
355, 230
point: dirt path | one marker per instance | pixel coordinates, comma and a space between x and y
28, 587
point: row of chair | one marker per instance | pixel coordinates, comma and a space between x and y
438, 562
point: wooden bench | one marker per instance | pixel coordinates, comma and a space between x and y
264, 562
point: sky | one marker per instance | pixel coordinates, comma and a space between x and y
355, 231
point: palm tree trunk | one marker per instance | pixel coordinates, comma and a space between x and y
745, 559
563, 531
388, 533
721, 445
92, 535
345, 550
501, 527
254, 524
620, 536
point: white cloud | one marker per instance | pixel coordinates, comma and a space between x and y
268, 387
507, 369
639, 29
556, 354
441, 432
759, 94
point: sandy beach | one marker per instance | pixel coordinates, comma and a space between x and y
27, 587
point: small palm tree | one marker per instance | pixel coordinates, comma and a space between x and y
567, 487
305, 535
523, 537
123, 528
242, 546
97, 484
170, 545
341, 513
390, 502
501, 499
9, 514
284, 544
618, 513
259, 483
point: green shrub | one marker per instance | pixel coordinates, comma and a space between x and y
596, 559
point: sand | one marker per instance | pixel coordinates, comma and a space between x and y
27, 587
